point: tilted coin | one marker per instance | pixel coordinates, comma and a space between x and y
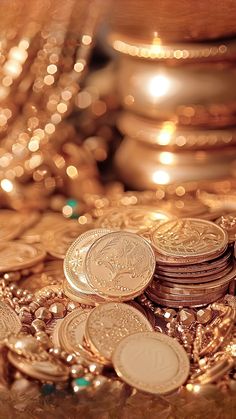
48, 370
189, 239
81, 297
75, 258
108, 323
186, 207
72, 329
120, 265
228, 223
16, 255
134, 218
9, 321
57, 241
151, 362
12, 223
47, 221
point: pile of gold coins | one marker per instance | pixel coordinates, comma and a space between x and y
194, 263
135, 294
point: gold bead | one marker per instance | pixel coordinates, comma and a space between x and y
204, 315
44, 314
58, 310
186, 317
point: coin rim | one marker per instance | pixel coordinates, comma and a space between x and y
183, 364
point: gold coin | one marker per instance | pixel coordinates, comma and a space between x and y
228, 223
12, 223
189, 239
212, 264
120, 265
181, 302
198, 280
57, 241
17, 255
134, 218
108, 323
75, 257
50, 370
48, 220
72, 329
151, 362
198, 274
9, 321
81, 297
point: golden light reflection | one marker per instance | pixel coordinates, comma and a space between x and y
6, 185
159, 86
160, 177
72, 172
166, 157
165, 135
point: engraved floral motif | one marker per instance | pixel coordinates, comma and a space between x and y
188, 237
120, 263
108, 324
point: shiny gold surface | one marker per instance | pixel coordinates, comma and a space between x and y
170, 136
162, 363
163, 167
168, 21
197, 94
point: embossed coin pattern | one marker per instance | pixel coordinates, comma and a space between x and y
75, 257
120, 265
108, 323
57, 241
189, 239
17, 255
151, 362
9, 321
133, 218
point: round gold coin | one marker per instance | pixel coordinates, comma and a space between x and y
50, 370
108, 323
9, 321
71, 330
189, 239
75, 258
134, 218
57, 241
16, 255
151, 362
119, 265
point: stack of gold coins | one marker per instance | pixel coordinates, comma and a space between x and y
194, 263
104, 265
176, 77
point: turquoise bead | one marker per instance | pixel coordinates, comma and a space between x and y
82, 382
